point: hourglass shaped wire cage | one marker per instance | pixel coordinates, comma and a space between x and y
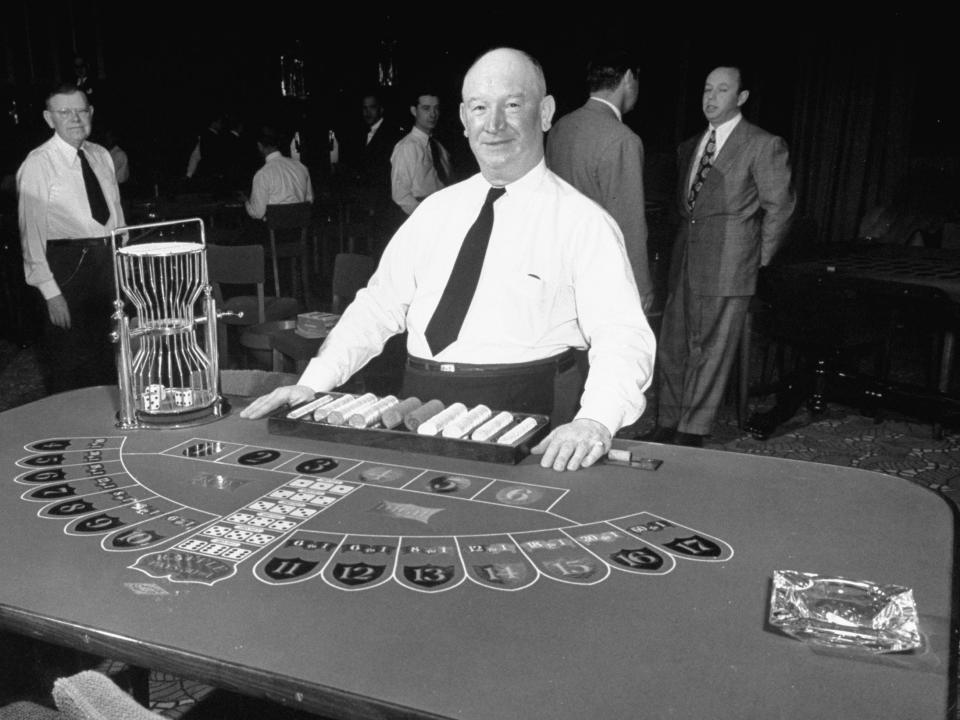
167, 362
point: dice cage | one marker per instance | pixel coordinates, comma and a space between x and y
166, 377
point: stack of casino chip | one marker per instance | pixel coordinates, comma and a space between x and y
435, 424
433, 418
322, 412
339, 416
467, 422
393, 416
492, 426
369, 415
426, 411
309, 407
517, 431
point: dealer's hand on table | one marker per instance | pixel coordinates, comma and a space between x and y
577, 444
286, 395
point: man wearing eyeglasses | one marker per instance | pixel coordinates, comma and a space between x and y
68, 202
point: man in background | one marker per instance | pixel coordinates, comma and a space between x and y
371, 161
593, 150
420, 165
368, 157
735, 203
280, 181
68, 202
82, 79
206, 166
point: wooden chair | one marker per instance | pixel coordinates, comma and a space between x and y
283, 221
384, 373
244, 265
351, 272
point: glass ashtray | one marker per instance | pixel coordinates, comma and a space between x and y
839, 612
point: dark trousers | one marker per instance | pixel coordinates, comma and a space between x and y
83, 354
550, 388
698, 342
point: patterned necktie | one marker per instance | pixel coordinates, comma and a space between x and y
438, 165
706, 162
98, 203
444, 326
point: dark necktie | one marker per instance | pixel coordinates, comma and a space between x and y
706, 162
444, 326
438, 162
98, 203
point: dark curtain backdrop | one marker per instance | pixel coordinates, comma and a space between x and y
866, 110
851, 144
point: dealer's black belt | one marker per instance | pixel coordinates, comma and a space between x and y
563, 362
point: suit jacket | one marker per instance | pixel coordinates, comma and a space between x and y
741, 215
371, 161
603, 158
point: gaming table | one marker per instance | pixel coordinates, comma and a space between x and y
362, 582
885, 284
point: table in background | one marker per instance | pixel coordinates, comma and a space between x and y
287, 343
911, 283
689, 642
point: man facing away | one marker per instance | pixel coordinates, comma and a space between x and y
280, 181
68, 202
593, 150
552, 275
735, 203
420, 165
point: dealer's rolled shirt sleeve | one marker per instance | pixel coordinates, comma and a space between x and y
622, 347
32, 210
555, 276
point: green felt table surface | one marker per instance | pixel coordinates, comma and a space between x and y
692, 642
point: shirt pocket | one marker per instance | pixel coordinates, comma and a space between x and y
533, 305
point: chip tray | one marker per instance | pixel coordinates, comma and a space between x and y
406, 440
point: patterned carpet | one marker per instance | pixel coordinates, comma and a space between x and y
839, 436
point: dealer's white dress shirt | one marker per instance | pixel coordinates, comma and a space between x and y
555, 276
